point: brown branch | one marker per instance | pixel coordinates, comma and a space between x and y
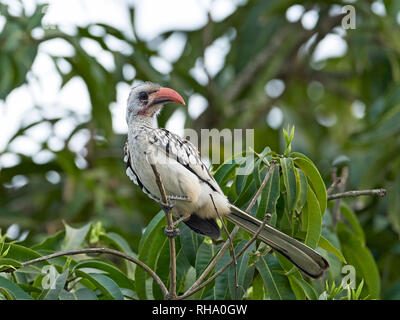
172, 250
96, 250
160, 185
357, 193
263, 184
335, 183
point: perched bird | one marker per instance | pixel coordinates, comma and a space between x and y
187, 181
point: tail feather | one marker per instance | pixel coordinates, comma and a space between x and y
305, 258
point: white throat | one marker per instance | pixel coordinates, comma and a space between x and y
143, 120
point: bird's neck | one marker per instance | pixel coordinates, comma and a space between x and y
139, 120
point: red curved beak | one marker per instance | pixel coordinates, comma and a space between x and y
164, 95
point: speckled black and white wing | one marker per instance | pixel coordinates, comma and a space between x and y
185, 153
133, 175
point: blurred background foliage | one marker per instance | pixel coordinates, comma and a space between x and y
271, 76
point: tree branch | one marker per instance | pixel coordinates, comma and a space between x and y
263, 184
96, 250
335, 182
172, 251
357, 193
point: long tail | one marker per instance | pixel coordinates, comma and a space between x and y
305, 258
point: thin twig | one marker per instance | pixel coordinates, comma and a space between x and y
357, 193
160, 184
232, 247
263, 184
332, 186
225, 246
96, 250
172, 251
335, 182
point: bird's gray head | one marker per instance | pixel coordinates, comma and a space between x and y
147, 98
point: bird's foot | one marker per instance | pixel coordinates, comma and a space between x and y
171, 233
167, 207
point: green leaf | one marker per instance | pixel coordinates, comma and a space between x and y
394, 205
154, 224
23, 254
74, 237
204, 255
190, 242
225, 170
85, 294
359, 256
302, 187
51, 243
13, 289
289, 180
312, 212
241, 181
54, 293
269, 195
288, 139
244, 271
150, 246
112, 272
257, 171
352, 220
292, 274
313, 176
277, 285
96, 231
258, 288
161, 267
325, 244
107, 286
309, 291
116, 241
7, 263
220, 286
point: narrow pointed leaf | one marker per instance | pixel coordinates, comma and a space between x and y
289, 180
313, 176
314, 219
325, 244
277, 285
269, 195
13, 289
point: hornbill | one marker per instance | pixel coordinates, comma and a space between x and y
187, 181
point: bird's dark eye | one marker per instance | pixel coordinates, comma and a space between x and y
143, 96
